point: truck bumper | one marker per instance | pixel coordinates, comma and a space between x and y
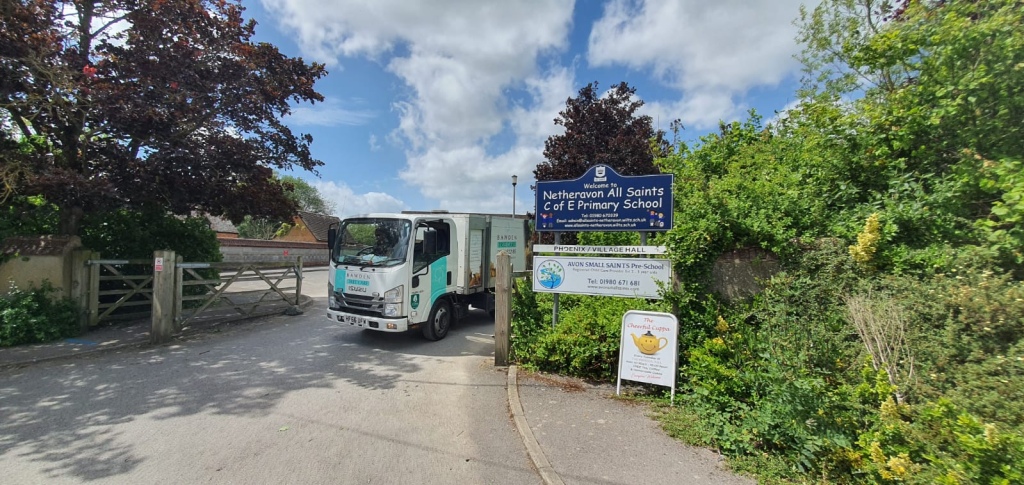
372, 323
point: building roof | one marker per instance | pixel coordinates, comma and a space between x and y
318, 224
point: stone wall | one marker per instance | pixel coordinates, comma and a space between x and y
245, 250
736, 274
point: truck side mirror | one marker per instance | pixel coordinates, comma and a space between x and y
332, 234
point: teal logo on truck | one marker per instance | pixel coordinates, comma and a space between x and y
506, 244
415, 302
339, 280
438, 279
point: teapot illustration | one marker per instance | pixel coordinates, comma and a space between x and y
648, 343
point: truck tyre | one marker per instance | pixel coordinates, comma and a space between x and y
439, 322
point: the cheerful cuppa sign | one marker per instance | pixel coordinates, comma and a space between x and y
628, 277
648, 349
603, 200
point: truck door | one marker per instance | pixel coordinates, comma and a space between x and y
432, 274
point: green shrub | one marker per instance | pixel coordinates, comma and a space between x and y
32, 316
137, 234
937, 443
586, 341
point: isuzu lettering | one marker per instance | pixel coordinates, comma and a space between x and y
418, 270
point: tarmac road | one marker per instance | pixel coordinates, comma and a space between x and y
282, 400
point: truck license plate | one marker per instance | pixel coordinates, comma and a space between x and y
356, 320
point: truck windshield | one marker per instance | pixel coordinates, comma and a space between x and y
372, 242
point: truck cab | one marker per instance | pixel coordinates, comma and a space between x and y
396, 272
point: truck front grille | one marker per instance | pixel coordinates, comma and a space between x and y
360, 305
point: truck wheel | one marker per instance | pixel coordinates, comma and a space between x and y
439, 322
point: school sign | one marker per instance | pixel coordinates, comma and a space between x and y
603, 200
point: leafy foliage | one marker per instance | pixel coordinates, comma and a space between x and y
166, 102
306, 197
32, 316
897, 179
137, 234
129, 234
586, 342
601, 129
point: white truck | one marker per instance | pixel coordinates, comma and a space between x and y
396, 272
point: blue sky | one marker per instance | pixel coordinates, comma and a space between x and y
436, 104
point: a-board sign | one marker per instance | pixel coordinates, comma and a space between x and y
603, 200
566, 248
629, 277
648, 350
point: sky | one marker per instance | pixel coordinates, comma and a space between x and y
436, 104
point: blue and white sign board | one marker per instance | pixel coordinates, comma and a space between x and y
628, 277
648, 349
603, 200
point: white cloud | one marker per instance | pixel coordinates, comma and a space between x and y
458, 60
374, 145
328, 113
348, 202
712, 52
783, 113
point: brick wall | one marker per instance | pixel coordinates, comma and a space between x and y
243, 250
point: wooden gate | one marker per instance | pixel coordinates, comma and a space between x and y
236, 277
119, 284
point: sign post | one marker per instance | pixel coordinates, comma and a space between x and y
554, 305
648, 349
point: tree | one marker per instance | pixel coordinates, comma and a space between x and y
306, 197
259, 228
938, 97
142, 103
601, 130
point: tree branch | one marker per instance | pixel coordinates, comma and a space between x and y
20, 121
108, 24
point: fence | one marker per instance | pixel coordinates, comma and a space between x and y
174, 294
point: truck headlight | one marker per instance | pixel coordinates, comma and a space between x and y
393, 301
394, 295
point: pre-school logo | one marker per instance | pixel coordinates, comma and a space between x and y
550, 274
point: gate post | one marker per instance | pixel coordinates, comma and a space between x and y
164, 290
179, 277
502, 309
94, 291
80, 286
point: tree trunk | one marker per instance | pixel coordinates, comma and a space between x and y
70, 220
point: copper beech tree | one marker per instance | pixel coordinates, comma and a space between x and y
114, 104
601, 130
